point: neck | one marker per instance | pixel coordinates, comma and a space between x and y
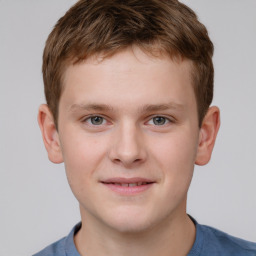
173, 238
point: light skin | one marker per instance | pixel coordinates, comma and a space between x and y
130, 119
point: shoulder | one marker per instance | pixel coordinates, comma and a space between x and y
63, 247
55, 249
217, 241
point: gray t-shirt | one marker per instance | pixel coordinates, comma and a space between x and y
209, 242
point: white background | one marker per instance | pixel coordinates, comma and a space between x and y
36, 204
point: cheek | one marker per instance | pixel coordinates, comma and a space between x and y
82, 156
176, 157
176, 149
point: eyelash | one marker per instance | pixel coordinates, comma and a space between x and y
89, 119
94, 116
166, 120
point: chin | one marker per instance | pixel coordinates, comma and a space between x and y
131, 222
130, 227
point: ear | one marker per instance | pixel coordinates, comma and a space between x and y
207, 135
50, 134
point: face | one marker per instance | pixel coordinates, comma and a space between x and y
128, 132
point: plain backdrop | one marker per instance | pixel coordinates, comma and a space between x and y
36, 204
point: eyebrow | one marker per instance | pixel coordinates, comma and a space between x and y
146, 108
161, 107
88, 107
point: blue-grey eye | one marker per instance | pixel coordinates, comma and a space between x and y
159, 120
96, 120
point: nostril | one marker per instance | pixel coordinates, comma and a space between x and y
127, 161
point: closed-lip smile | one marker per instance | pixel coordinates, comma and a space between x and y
128, 186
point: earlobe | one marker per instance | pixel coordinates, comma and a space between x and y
207, 136
50, 134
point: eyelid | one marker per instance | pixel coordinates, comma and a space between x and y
86, 118
169, 119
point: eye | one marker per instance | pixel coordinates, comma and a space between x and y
96, 120
159, 120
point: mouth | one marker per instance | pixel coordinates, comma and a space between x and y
130, 186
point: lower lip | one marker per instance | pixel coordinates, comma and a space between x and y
128, 190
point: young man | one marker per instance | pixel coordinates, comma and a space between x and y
128, 86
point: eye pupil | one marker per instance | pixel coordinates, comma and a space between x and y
159, 120
96, 120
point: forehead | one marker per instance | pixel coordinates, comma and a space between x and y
128, 60
129, 72
153, 54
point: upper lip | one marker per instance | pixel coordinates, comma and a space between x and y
122, 180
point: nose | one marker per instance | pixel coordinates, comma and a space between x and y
127, 146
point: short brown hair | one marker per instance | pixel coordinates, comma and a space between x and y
108, 26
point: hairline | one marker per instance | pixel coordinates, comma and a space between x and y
158, 52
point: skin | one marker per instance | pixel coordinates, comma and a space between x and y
145, 126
